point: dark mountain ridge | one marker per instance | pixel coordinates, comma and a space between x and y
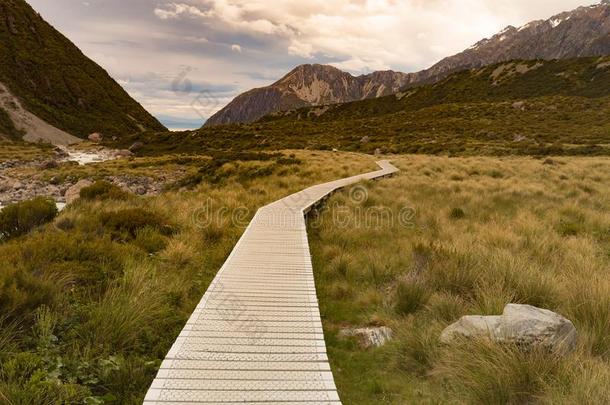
53, 80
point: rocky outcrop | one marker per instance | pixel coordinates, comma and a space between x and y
136, 146
308, 85
96, 137
73, 193
578, 33
523, 325
582, 32
369, 337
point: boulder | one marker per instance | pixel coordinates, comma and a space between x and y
123, 153
365, 139
527, 325
472, 327
96, 137
73, 193
369, 337
49, 164
519, 105
136, 146
523, 325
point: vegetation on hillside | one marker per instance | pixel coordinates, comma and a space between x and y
474, 234
20, 218
23, 151
509, 81
59, 84
7, 127
91, 303
516, 108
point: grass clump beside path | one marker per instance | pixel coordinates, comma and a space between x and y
91, 303
20, 218
449, 237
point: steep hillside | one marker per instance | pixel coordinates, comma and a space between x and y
507, 81
54, 81
582, 32
305, 86
524, 108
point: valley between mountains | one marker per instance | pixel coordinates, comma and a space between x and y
112, 227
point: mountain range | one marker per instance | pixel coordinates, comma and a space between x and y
49, 90
582, 32
520, 107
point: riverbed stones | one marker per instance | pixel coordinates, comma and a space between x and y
73, 193
96, 137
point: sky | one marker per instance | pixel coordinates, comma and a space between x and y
185, 59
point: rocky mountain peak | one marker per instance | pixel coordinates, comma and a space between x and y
582, 32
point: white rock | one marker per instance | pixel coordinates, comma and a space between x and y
527, 325
471, 327
369, 337
524, 325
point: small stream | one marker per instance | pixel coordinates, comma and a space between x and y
82, 157
87, 157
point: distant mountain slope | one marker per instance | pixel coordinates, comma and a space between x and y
54, 81
304, 86
536, 108
578, 33
582, 32
506, 81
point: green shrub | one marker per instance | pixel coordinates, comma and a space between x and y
24, 379
19, 219
103, 190
457, 213
21, 291
126, 223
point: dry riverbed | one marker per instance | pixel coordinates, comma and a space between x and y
51, 174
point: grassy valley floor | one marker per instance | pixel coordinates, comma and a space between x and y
92, 302
454, 236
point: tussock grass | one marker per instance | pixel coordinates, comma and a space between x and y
92, 302
533, 232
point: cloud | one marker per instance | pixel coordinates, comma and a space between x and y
176, 10
368, 34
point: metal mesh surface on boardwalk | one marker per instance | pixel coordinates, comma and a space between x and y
256, 336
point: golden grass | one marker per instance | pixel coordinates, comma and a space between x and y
528, 231
117, 300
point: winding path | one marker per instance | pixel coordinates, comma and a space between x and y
256, 336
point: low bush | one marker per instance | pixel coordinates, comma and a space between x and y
126, 223
103, 190
19, 219
457, 213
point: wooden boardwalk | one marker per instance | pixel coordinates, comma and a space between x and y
256, 336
